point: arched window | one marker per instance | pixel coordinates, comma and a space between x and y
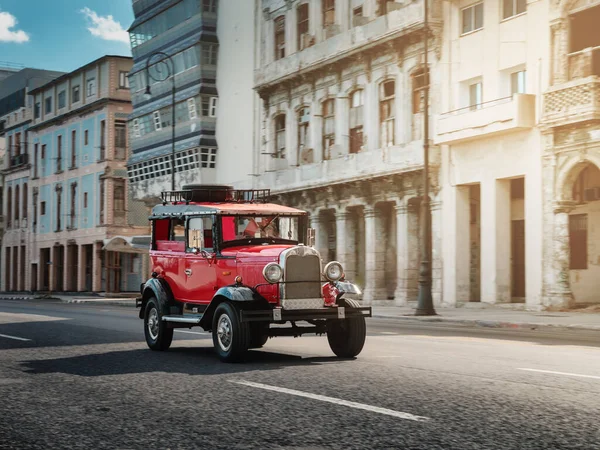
303, 134
25, 201
328, 127
387, 111
17, 206
9, 203
279, 123
356, 120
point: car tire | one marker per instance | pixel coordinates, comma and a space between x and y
259, 335
231, 337
347, 336
158, 335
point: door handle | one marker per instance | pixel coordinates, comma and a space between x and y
188, 272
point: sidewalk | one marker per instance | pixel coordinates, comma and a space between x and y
489, 316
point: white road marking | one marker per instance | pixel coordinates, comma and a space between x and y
335, 401
595, 377
192, 332
6, 318
16, 338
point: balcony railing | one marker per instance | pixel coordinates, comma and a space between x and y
575, 101
19, 160
487, 118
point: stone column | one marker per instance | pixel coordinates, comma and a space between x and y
291, 32
342, 122
315, 12
460, 233
81, 258
342, 14
52, 270
269, 39
316, 130
375, 289
96, 267
291, 124
18, 285
320, 233
436, 252
495, 241
560, 293
402, 243
371, 116
341, 237
67, 274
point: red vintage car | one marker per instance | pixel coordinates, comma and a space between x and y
232, 263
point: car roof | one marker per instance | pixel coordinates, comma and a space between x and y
182, 209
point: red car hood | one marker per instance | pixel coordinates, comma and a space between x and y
256, 252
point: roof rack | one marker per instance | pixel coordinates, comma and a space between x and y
215, 194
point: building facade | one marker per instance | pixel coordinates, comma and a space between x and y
341, 84
192, 38
73, 204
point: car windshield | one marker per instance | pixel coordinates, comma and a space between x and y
274, 227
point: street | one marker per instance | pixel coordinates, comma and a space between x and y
81, 376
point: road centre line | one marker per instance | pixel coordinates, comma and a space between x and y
16, 338
335, 401
595, 377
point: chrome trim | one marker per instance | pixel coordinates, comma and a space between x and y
300, 250
331, 264
302, 303
182, 319
264, 272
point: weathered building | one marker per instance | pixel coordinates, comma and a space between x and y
74, 201
341, 85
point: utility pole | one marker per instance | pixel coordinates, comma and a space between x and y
425, 299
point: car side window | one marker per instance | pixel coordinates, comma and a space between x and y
200, 233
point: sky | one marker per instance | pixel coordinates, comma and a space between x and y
63, 34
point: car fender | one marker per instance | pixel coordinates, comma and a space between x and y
235, 294
159, 288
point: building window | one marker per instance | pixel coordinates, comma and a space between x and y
475, 96
43, 151
280, 136
42, 208
304, 39
119, 196
9, 211
578, 241
328, 127
35, 160
303, 130
35, 208
101, 201
73, 149
37, 111
75, 94
123, 80
191, 106
280, 37
472, 18
62, 99
17, 206
73, 206
209, 6
103, 140
120, 140
86, 140
157, 121
58, 207
328, 13
25, 194
381, 7
387, 95
136, 128
356, 120
85, 199
209, 54
91, 87
518, 82
419, 86
512, 8
48, 106
59, 154
213, 107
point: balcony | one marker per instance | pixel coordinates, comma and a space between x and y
490, 118
572, 102
19, 160
394, 24
349, 167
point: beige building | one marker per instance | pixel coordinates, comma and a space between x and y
341, 124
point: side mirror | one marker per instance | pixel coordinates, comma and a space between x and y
311, 237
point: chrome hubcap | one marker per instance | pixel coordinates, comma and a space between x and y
153, 323
224, 333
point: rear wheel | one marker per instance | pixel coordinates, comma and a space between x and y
347, 336
231, 337
158, 335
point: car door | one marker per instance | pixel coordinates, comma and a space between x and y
200, 268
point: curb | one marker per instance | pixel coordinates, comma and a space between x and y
121, 302
491, 323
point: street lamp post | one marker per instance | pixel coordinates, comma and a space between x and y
425, 299
148, 94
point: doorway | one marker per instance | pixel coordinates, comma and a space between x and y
518, 259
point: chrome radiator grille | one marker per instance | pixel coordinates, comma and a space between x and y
303, 277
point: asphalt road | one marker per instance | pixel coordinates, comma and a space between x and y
80, 376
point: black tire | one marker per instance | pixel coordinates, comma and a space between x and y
259, 335
347, 336
158, 335
231, 337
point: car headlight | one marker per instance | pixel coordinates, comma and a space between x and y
334, 271
273, 272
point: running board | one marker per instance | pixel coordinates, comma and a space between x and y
188, 318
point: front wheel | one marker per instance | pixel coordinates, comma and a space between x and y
231, 337
158, 335
347, 336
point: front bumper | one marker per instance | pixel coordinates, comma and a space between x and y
279, 315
